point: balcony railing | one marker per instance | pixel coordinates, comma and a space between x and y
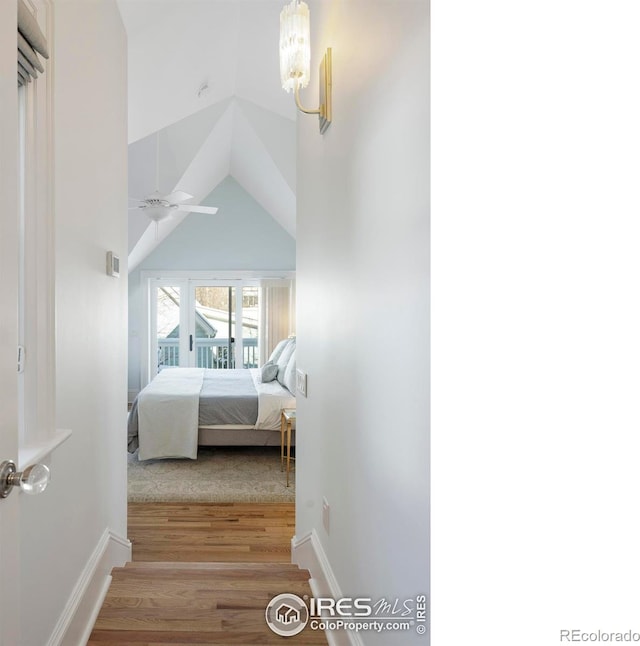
210, 353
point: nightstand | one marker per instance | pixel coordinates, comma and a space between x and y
287, 424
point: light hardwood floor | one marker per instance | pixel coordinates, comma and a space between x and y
212, 532
202, 574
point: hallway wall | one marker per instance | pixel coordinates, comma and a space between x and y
363, 252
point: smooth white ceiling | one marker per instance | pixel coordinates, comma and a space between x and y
242, 125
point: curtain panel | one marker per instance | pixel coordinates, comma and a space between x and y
277, 314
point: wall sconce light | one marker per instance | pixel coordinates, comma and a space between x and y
295, 56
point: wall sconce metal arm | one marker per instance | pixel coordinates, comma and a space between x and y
300, 106
324, 112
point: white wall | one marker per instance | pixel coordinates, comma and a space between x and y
241, 236
362, 251
87, 495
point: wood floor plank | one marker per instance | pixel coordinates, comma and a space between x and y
123, 586
213, 555
177, 638
231, 600
187, 565
215, 576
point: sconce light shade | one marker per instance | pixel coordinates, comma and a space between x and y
295, 57
295, 48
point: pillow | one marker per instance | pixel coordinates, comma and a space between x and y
269, 371
290, 375
283, 360
277, 351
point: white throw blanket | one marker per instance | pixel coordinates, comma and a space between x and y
168, 415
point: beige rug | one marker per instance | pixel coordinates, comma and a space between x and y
220, 474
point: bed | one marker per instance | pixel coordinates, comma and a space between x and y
183, 408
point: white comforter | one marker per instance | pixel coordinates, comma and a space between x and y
168, 412
272, 398
168, 415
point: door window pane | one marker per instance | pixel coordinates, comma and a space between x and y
215, 327
250, 318
168, 327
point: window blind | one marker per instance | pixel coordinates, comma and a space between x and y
31, 42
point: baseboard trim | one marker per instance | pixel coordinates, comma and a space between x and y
81, 611
307, 553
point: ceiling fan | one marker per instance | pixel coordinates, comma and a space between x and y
157, 206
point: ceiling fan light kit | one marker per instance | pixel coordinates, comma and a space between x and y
156, 208
156, 214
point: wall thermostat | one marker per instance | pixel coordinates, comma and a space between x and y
113, 264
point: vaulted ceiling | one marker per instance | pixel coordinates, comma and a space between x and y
205, 102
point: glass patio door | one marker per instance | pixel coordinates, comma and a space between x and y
203, 324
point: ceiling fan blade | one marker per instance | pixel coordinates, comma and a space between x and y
178, 196
197, 209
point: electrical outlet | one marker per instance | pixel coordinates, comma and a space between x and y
301, 382
326, 515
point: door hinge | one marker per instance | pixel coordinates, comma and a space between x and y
20, 358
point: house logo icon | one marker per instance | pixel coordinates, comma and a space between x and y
286, 615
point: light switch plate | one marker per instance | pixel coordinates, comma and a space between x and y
113, 264
301, 382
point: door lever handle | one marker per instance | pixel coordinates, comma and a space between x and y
34, 479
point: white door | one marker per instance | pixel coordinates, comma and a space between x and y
9, 507
202, 323
9, 244
193, 320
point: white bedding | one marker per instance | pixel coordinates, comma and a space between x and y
168, 415
272, 398
164, 421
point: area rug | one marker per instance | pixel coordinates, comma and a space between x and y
220, 474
